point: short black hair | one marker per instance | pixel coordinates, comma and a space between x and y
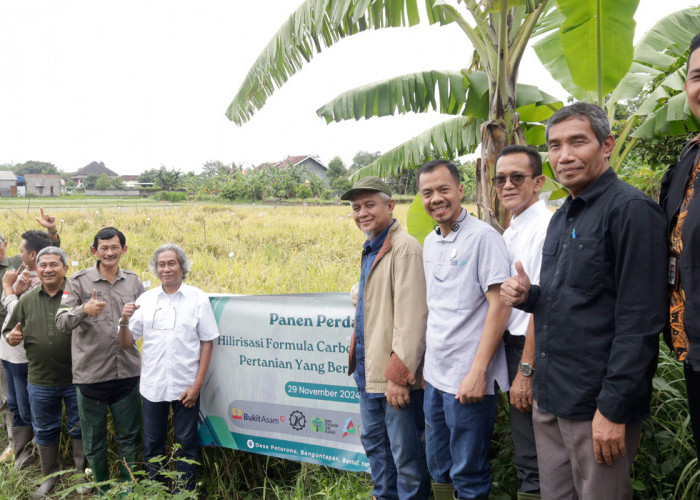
432, 165
597, 118
36, 241
107, 233
694, 44
533, 156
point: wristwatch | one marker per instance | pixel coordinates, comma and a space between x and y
527, 369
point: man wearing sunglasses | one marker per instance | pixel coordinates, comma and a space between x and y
518, 182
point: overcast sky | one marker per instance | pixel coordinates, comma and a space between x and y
137, 84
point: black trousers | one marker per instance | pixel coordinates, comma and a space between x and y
692, 382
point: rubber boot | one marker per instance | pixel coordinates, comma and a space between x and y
23, 445
528, 496
443, 491
78, 455
100, 470
8, 453
49, 465
79, 461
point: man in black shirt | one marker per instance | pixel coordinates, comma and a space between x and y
598, 312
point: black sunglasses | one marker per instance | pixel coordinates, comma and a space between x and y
517, 179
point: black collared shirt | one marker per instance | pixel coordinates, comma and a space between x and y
601, 303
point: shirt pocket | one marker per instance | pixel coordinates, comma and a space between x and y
588, 264
451, 286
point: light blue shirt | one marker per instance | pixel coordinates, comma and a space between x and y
459, 268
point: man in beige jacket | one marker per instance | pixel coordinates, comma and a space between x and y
386, 352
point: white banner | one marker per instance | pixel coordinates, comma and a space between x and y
278, 383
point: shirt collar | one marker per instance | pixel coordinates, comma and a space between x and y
528, 214
60, 292
375, 244
462, 220
94, 273
594, 189
180, 291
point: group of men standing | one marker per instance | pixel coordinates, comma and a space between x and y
77, 337
590, 290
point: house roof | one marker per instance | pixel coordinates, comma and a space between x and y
95, 168
130, 177
290, 161
7, 175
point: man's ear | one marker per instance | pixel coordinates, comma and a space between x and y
608, 145
539, 182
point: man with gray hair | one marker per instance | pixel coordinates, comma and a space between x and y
18, 275
598, 311
178, 326
387, 346
49, 378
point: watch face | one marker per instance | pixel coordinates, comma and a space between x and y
527, 369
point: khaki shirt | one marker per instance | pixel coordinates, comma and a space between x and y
48, 350
97, 356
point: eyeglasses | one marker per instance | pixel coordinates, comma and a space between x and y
164, 318
516, 179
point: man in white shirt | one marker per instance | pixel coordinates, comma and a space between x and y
178, 326
465, 262
518, 182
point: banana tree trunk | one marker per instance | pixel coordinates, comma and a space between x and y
502, 130
503, 127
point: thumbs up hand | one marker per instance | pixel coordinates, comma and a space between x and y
515, 289
15, 336
94, 306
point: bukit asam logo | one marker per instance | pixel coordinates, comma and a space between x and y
239, 414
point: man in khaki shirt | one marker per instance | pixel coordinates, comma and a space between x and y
106, 375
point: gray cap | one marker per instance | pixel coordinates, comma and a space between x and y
370, 183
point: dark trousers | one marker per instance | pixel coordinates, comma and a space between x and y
126, 414
692, 382
525, 459
155, 427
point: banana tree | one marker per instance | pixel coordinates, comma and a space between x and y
488, 105
657, 74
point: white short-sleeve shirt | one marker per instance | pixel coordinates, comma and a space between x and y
172, 327
524, 239
459, 269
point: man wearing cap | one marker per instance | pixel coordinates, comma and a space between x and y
386, 350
